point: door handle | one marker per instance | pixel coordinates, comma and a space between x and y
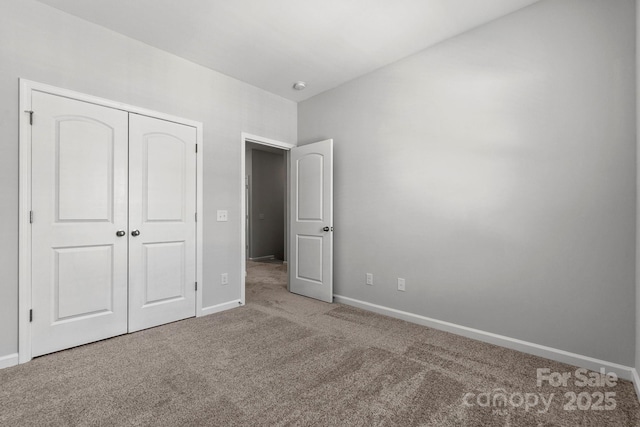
120, 233
135, 233
325, 229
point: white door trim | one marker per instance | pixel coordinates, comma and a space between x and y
24, 242
244, 138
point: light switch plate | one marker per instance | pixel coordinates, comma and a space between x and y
222, 216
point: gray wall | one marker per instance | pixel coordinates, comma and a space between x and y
48, 46
496, 173
267, 204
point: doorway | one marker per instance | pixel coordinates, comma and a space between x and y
266, 185
268, 150
308, 213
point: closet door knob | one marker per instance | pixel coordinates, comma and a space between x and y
120, 233
135, 233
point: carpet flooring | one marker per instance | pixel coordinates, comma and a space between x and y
286, 360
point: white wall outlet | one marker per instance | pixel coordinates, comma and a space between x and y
369, 279
224, 279
401, 285
223, 216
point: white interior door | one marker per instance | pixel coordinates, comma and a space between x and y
311, 237
79, 203
162, 223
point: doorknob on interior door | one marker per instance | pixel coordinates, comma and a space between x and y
120, 233
135, 233
325, 229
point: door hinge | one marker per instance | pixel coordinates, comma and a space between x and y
30, 217
31, 315
196, 286
196, 215
30, 116
196, 148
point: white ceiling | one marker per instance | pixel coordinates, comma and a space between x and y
273, 43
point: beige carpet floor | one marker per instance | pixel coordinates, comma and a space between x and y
286, 360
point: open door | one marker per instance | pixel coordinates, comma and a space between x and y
311, 235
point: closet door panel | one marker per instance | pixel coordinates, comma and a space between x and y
162, 242
79, 202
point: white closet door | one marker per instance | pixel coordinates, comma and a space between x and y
79, 203
162, 227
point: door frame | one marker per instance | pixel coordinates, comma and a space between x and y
244, 138
27, 87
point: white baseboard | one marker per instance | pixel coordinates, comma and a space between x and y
625, 372
636, 382
8, 360
220, 307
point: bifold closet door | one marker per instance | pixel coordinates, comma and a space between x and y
79, 205
113, 244
162, 223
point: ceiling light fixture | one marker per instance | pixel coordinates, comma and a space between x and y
299, 85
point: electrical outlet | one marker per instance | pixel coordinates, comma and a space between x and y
222, 216
224, 279
369, 279
401, 285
